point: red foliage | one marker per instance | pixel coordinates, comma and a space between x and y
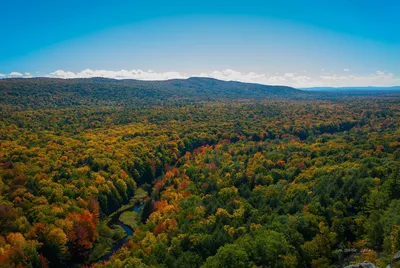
183, 185
167, 226
83, 233
94, 208
159, 185
44, 263
159, 228
186, 194
38, 230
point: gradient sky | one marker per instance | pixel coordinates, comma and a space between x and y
299, 43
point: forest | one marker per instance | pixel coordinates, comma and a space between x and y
98, 173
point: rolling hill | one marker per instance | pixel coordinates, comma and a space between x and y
52, 93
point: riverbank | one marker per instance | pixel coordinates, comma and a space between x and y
114, 232
129, 218
138, 198
127, 229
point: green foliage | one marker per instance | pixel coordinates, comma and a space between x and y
229, 256
129, 218
52, 93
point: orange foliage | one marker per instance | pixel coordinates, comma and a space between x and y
160, 205
280, 162
169, 225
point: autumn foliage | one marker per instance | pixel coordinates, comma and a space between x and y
266, 183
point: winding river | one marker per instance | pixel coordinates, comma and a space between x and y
128, 230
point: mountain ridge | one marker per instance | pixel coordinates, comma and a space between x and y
57, 92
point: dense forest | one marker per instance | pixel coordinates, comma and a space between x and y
49, 93
227, 174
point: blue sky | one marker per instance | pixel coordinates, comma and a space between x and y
299, 43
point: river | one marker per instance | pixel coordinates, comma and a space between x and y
128, 230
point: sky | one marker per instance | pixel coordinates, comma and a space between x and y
286, 42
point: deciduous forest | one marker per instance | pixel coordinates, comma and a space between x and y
247, 176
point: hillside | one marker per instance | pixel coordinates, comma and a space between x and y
51, 93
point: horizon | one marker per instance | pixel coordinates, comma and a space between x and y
316, 88
324, 45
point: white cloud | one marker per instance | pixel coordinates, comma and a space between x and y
380, 78
289, 75
122, 74
15, 74
290, 79
346, 70
380, 73
233, 75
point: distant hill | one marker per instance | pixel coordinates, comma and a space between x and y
51, 92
